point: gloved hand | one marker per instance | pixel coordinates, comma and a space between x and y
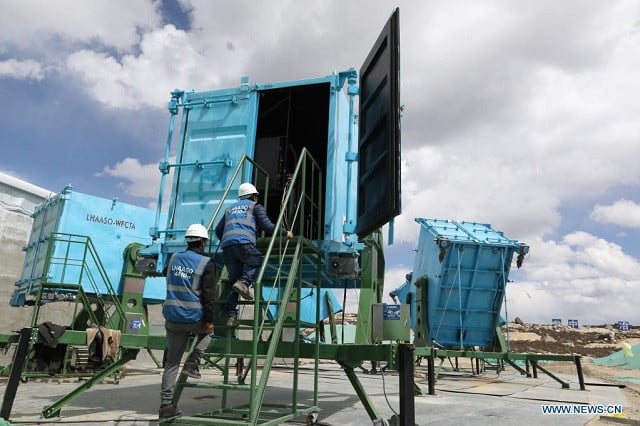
208, 328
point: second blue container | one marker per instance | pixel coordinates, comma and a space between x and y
466, 265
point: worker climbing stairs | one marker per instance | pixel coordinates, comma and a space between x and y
271, 326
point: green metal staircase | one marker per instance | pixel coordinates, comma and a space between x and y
73, 273
289, 266
78, 264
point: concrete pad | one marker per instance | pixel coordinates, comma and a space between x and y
497, 389
542, 393
505, 399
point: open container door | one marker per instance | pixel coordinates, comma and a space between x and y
379, 131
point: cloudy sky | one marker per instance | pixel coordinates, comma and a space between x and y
524, 115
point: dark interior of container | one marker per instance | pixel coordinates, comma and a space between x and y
290, 119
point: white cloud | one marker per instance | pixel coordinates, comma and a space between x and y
32, 24
166, 61
582, 277
446, 183
27, 69
500, 131
138, 180
622, 212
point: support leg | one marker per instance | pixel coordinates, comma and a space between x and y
54, 409
362, 394
17, 366
431, 375
517, 367
580, 375
407, 399
154, 359
565, 385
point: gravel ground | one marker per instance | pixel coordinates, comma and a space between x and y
589, 341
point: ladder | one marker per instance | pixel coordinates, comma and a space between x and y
71, 265
289, 267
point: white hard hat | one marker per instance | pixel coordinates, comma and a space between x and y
246, 189
196, 232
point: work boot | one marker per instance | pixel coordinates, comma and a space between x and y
232, 320
190, 369
169, 412
245, 291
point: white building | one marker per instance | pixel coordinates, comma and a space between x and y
18, 200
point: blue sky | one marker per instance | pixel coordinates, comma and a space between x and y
518, 114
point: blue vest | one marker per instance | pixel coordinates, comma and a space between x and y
184, 273
239, 224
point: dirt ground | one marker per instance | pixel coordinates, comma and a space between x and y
589, 341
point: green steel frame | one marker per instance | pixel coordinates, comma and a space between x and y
98, 309
289, 266
502, 353
106, 303
285, 268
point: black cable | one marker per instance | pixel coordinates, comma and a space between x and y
344, 305
384, 391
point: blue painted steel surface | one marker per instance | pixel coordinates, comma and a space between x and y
406, 293
219, 127
111, 226
467, 266
340, 186
307, 304
267, 123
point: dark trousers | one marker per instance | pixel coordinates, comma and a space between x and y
177, 338
236, 258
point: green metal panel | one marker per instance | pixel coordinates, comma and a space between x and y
371, 284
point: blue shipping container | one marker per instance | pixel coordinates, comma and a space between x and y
466, 265
110, 225
347, 122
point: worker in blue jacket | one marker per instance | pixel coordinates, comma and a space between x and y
188, 311
237, 231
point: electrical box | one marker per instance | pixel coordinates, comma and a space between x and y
390, 322
343, 264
